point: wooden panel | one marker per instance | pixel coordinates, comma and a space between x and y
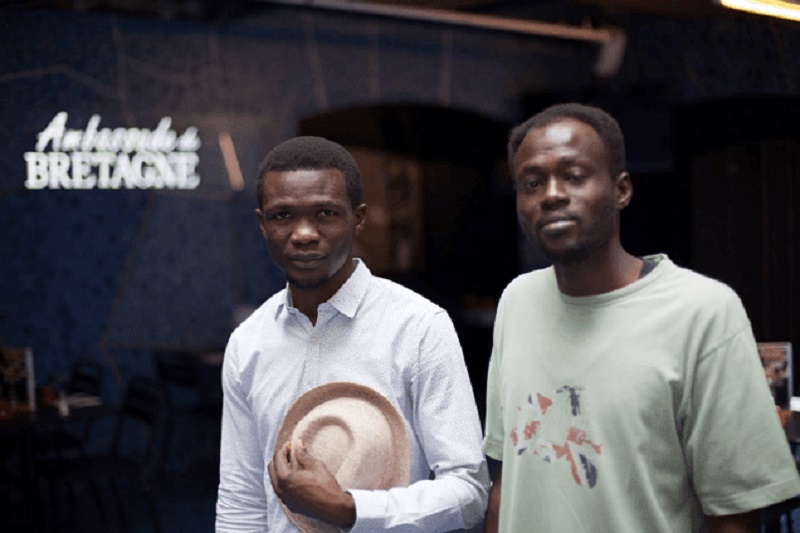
392, 239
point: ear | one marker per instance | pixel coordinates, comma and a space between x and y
624, 190
261, 222
361, 217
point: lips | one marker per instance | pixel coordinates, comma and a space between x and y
306, 261
557, 224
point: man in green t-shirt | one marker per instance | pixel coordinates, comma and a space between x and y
625, 394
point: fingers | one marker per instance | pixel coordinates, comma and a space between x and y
299, 455
273, 476
301, 458
281, 460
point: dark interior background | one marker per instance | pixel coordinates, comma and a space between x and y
708, 102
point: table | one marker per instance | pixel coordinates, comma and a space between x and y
24, 435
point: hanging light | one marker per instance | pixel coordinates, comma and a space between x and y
786, 9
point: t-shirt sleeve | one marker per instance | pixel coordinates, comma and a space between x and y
493, 441
735, 448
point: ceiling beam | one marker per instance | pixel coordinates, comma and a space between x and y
610, 40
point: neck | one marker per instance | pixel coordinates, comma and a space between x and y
308, 300
607, 270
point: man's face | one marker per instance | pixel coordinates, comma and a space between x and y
567, 202
309, 225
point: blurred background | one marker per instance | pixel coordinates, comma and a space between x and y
129, 276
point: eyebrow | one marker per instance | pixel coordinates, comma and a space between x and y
283, 204
567, 161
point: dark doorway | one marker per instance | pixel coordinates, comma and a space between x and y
442, 177
743, 160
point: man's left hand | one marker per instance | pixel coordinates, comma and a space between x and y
305, 485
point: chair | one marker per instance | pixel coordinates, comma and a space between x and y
85, 378
17, 491
188, 397
128, 457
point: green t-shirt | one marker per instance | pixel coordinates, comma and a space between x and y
636, 410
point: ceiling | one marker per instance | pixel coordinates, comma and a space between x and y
664, 7
544, 10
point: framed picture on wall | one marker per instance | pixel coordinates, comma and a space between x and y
776, 358
17, 382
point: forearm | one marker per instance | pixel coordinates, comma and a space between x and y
343, 512
238, 512
445, 425
749, 522
241, 502
335, 508
492, 521
241, 498
454, 500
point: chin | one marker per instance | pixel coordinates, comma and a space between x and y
573, 254
306, 283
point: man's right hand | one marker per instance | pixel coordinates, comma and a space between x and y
306, 486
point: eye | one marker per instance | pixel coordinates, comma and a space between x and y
529, 183
327, 213
279, 215
575, 175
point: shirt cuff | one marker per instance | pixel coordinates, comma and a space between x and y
370, 510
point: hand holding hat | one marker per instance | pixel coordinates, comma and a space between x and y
305, 485
336, 437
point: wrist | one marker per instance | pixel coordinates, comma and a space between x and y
345, 511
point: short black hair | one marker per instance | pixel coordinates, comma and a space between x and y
600, 121
311, 153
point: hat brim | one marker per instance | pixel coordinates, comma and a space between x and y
397, 472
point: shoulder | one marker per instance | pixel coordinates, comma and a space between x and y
259, 319
528, 285
402, 299
698, 288
705, 301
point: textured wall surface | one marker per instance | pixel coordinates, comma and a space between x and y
116, 273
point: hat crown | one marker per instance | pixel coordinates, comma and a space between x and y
352, 437
356, 431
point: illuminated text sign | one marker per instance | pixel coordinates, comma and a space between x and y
119, 158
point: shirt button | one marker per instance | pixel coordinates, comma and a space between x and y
312, 340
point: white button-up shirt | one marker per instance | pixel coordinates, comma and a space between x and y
382, 335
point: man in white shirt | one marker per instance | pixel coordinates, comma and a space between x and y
335, 321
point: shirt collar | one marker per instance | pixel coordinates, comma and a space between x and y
347, 298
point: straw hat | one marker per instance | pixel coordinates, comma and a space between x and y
359, 435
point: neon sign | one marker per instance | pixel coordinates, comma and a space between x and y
120, 158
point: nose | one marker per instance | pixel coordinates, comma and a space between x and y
304, 231
554, 191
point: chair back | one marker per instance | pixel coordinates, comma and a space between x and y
86, 377
142, 406
178, 368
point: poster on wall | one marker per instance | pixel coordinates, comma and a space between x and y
776, 359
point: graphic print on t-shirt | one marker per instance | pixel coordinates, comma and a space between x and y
541, 417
